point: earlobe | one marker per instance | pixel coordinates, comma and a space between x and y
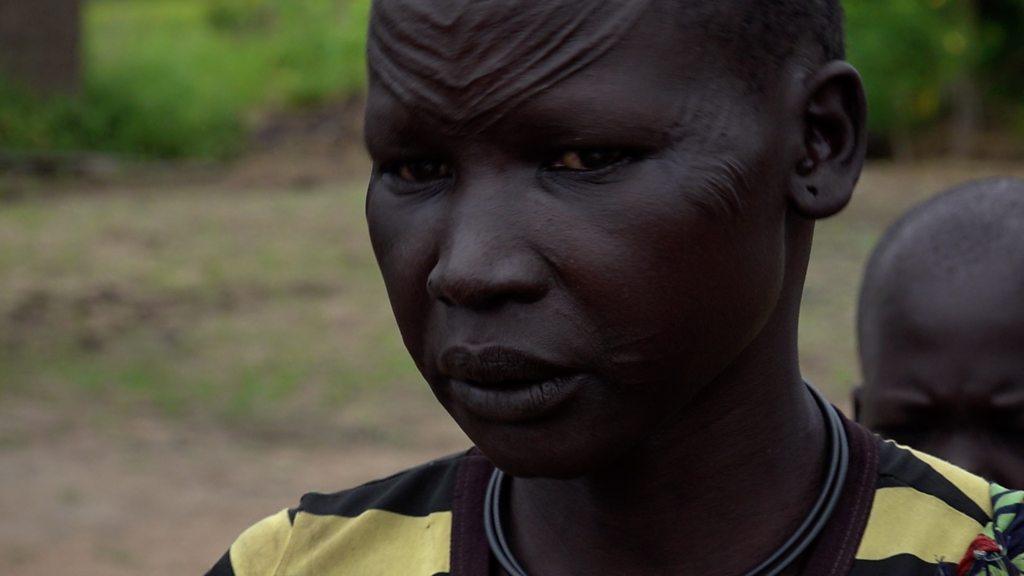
832, 141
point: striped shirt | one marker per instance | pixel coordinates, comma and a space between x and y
901, 513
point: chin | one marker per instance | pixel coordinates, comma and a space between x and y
556, 449
531, 464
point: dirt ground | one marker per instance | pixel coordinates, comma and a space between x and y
89, 492
151, 497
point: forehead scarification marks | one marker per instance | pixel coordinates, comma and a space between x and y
468, 62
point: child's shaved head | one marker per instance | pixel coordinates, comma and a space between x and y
972, 235
941, 328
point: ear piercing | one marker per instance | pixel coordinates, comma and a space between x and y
805, 166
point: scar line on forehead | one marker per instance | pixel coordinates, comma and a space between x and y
468, 63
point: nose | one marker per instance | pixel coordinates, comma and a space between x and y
485, 262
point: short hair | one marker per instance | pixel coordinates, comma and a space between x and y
771, 32
947, 238
408, 39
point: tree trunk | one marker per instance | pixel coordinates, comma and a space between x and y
967, 112
966, 97
39, 43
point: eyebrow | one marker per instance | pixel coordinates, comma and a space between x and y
916, 396
569, 115
392, 127
569, 131
1011, 398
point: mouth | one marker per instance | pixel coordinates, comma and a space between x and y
506, 385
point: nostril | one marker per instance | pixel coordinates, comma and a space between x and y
436, 290
481, 274
527, 292
484, 290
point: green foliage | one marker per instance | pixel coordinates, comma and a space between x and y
908, 52
241, 15
1001, 62
170, 78
912, 53
183, 77
317, 53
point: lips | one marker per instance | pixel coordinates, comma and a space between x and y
496, 367
505, 385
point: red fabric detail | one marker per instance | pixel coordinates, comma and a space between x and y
981, 544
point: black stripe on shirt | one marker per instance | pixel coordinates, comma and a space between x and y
222, 567
898, 468
420, 491
902, 564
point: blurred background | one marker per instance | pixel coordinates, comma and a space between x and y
192, 328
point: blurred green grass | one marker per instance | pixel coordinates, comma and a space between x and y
175, 78
265, 309
242, 306
172, 78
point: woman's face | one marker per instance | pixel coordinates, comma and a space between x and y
569, 278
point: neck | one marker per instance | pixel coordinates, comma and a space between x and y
743, 464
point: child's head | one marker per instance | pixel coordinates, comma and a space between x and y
941, 329
587, 212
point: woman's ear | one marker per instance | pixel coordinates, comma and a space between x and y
831, 148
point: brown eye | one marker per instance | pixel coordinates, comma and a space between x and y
583, 160
421, 171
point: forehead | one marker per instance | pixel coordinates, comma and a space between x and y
932, 299
952, 336
469, 63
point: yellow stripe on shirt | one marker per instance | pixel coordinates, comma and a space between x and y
258, 551
905, 521
974, 487
375, 543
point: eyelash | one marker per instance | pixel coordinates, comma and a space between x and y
618, 157
401, 171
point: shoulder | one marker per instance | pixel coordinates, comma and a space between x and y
420, 491
396, 525
259, 549
925, 514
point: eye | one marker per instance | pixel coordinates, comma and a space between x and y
588, 160
420, 171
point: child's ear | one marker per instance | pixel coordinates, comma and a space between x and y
831, 148
855, 397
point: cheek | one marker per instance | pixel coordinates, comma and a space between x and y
1008, 468
720, 288
669, 283
403, 237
